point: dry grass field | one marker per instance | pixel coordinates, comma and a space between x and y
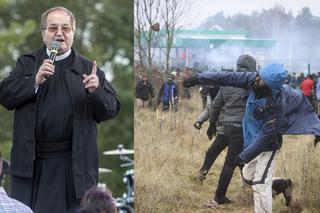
169, 152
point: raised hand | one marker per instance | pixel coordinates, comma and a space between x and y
91, 82
45, 70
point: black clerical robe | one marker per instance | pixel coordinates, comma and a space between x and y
17, 92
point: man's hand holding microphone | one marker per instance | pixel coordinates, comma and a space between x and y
45, 70
91, 82
47, 67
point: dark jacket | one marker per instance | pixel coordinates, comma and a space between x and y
286, 112
17, 92
231, 98
234, 102
144, 91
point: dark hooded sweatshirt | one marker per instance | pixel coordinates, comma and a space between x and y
231, 98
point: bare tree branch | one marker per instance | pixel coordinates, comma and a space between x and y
147, 13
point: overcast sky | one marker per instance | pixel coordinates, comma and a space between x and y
230, 7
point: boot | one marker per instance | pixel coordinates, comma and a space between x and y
287, 193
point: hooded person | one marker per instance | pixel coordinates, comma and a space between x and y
232, 102
272, 110
168, 94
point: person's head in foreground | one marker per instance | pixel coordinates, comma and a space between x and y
270, 80
97, 200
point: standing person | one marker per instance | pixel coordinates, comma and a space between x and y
204, 93
269, 106
317, 138
169, 94
293, 80
318, 93
186, 73
232, 100
300, 78
7, 204
54, 155
216, 129
144, 92
307, 88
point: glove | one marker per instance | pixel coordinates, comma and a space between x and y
190, 82
197, 125
212, 130
237, 161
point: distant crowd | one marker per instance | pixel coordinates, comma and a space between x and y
168, 94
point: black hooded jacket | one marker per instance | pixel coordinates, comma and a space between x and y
144, 91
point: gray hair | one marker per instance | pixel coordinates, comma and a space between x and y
44, 16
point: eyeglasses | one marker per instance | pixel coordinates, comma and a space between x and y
64, 29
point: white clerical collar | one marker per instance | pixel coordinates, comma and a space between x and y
60, 57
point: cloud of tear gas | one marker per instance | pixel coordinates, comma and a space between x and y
297, 51
223, 57
297, 44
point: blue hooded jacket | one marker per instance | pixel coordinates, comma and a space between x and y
266, 119
168, 91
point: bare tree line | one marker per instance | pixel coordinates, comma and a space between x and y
170, 14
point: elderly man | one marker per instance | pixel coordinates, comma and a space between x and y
272, 109
54, 155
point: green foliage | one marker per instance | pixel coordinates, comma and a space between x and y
104, 33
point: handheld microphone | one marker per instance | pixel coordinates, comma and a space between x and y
53, 53
54, 50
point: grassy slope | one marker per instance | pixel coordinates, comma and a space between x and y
169, 153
